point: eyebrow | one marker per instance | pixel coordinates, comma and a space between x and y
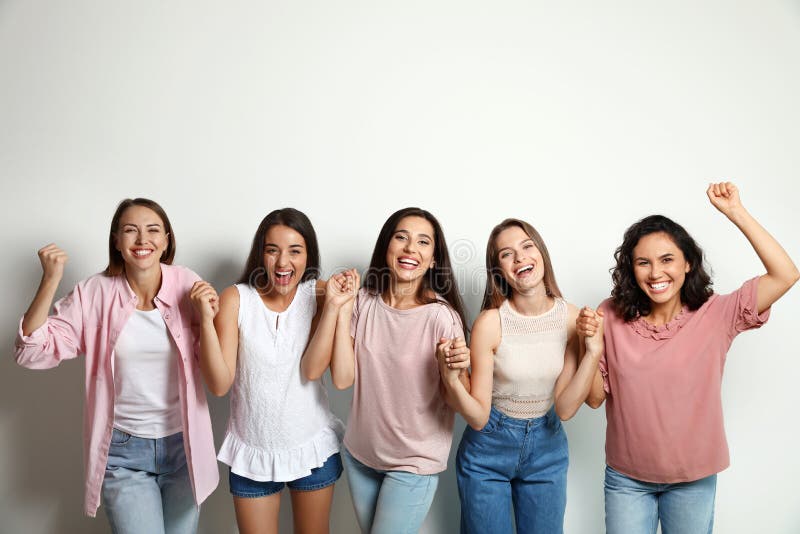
668, 254
157, 225
401, 231
296, 245
521, 243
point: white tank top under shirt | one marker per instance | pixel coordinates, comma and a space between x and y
147, 399
280, 424
528, 360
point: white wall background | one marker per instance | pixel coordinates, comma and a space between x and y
580, 117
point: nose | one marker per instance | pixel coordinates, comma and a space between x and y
655, 272
410, 246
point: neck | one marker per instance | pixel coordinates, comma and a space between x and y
402, 295
145, 285
661, 314
277, 301
532, 302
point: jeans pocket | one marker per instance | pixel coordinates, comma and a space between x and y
118, 437
495, 421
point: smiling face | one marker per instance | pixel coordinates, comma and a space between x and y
141, 238
519, 260
410, 251
660, 268
285, 258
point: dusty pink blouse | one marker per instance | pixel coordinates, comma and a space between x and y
663, 386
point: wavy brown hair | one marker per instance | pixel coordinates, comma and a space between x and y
116, 265
439, 278
497, 287
629, 301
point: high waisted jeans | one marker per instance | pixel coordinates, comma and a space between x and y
636, 507
147, 487
513, 461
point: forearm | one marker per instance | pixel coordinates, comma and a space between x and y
597, 391
775, 259
458, 397
578, 388
343, 359
216, 373
37, 312
317, 356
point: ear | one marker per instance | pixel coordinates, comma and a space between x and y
688, 267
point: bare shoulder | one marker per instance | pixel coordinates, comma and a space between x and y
487, 328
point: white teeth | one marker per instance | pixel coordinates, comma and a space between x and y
283, 273
659, 286
523, 269
142, 252
408, 262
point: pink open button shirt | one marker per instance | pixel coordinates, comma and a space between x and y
88, 321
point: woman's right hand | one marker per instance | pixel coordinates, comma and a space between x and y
53, 260
205, 300
589, 325
342, 288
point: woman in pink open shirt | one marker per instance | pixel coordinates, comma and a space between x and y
147, 441
666, 337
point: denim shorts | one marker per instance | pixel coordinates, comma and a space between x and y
320, 477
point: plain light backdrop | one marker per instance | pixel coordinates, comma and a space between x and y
580, 117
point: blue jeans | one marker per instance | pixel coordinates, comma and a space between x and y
320, 477
389, 502
635, 507
513, 461
147, 488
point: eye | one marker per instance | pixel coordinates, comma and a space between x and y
641, 263
527, 246
400, 237
270, 250
294, 252
667, 260
504, 254
424, 242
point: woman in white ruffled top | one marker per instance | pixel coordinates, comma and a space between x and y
253, 337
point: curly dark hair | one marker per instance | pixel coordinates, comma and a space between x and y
628, 299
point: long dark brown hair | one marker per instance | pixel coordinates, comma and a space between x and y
116, 265
497, 288
254, 272
440, 277
628, 298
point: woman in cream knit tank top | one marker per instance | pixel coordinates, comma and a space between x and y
527, 375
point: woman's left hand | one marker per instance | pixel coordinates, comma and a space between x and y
725, 197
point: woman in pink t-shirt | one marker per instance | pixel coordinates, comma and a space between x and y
384, 344
666, 338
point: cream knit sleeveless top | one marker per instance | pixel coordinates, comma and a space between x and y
528, 360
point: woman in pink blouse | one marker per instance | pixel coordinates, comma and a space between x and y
148, 447
666, 336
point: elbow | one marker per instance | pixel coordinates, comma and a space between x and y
795, 277
565, 413
479, 422
311, 374
219, 391
341, 383
595, 402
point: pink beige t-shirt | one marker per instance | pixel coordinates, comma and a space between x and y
399, 420
663, 386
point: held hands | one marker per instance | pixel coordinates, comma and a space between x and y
205, 300
589, 325
342, 288
53, 260
453, 356
725, 197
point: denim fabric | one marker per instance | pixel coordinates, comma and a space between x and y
146, 487
389, 502
320, 477
635, 507
519, 462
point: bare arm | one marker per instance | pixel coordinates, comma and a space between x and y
219, 336
590, 324
343, 359
580, 366
782, 273
474, 403
337, 292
